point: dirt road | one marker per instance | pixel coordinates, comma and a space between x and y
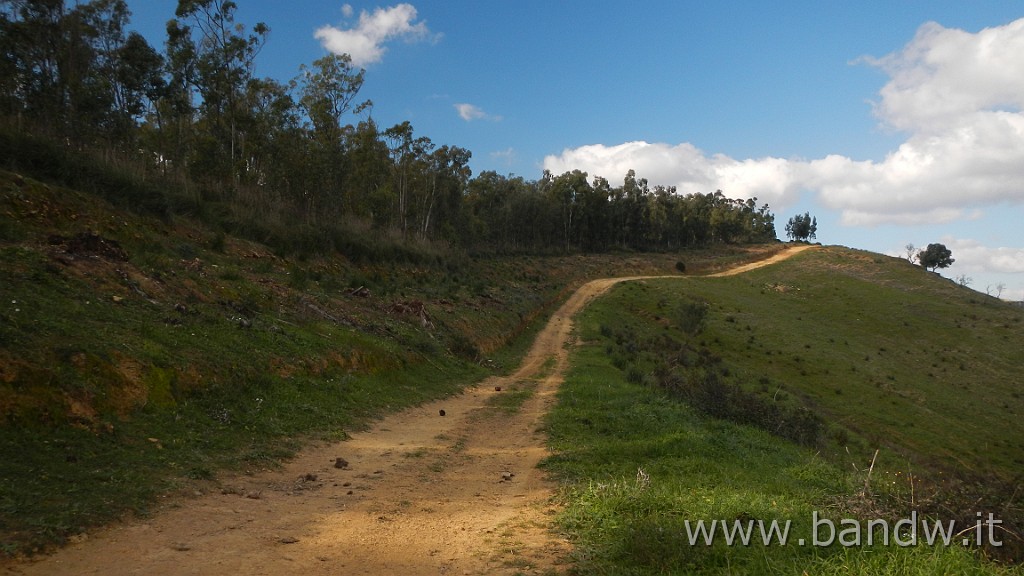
762, 263
421, 493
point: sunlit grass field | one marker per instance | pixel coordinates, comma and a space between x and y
887, 357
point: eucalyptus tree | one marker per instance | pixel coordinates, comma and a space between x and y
566, 192
632, 227
408, 156
32, 41
212, 59
802, 227
440, 200
327, 92
272, 145
139, 83
593, 229
368, 174
76, 73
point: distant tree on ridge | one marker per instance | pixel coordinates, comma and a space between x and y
935, 256
802, 227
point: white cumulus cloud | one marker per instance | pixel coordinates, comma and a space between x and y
365, 42
470, 112
945, 73
957, 96
684, 166
973, 256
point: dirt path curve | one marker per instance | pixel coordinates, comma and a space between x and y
778, 257
421, 494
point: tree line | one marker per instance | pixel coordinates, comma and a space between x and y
306, 152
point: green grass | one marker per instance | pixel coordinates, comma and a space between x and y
126, 377
511, 398
912, 363
637, 461
97, 427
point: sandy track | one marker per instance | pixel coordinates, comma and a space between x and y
778, 257
422, 494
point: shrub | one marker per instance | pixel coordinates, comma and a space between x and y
48, 160
298, 277
634, 375
691, 316
217, 243
463, 347
709, 394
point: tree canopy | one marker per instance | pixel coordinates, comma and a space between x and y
935, 256
802, 227
307, 151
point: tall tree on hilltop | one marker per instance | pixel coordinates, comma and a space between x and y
593, 215
634, 195
327, 92
935, 256
802, 227
442, 201
138, 81
76, 72
566, 191
175, 113
408, 155
272, 146
217, 59
32, 42
368, 174
94, 39
655, 215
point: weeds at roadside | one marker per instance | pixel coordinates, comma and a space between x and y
509, 400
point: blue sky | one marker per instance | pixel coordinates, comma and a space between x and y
891, 122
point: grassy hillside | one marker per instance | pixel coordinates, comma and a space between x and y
689, 400
140, 355
904, 359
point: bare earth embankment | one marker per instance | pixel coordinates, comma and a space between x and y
418, 493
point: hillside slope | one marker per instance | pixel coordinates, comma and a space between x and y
140, 355
901, 357
843, 351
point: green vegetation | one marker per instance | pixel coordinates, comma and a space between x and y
298, 164
802, 228
935, 256
887, 358
203, 269
141, 355
512, 398
901, 359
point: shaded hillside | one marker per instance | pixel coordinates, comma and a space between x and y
140, 354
